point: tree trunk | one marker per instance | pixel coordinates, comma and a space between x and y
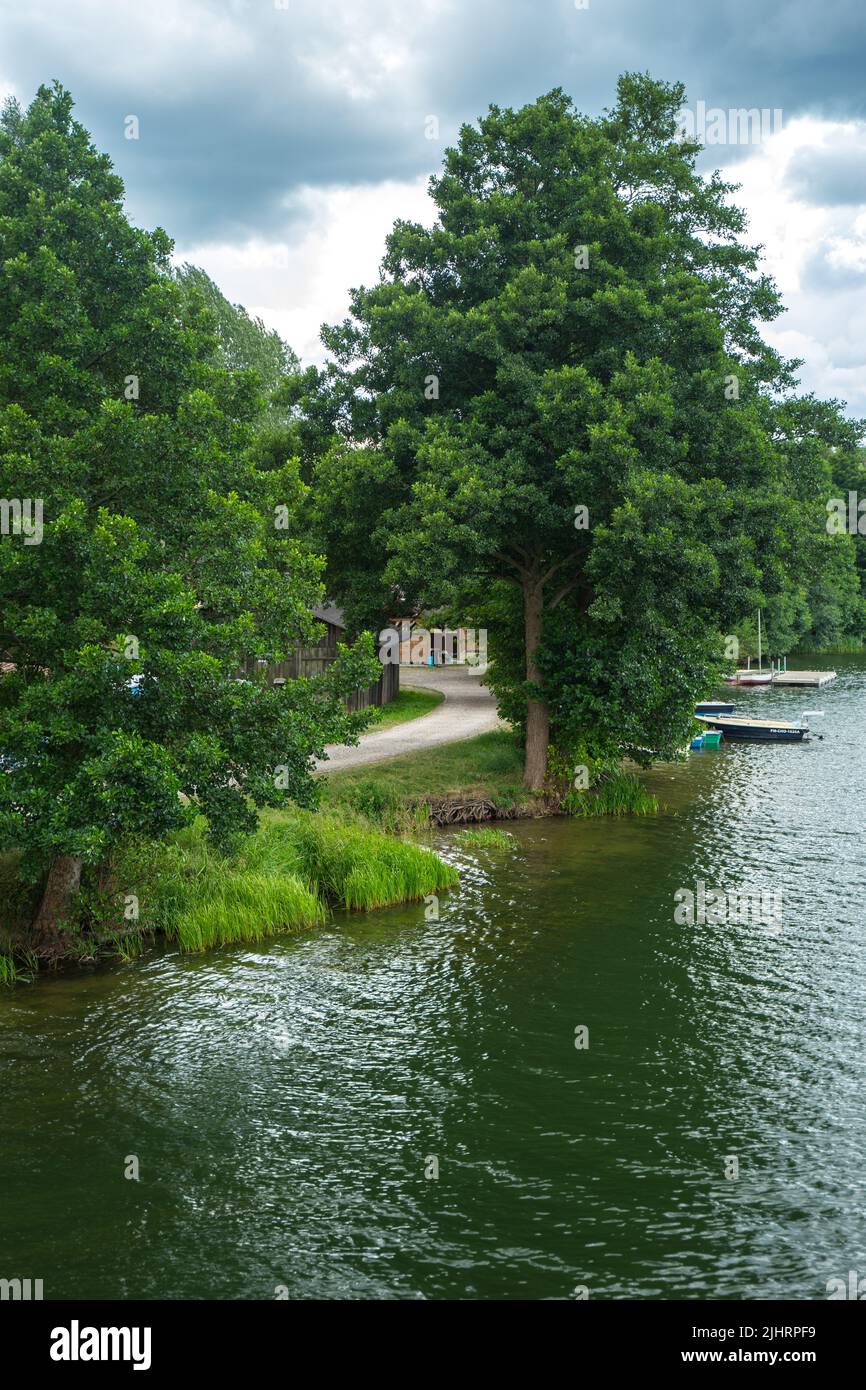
61, 886
537, 714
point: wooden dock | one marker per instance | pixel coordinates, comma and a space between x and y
803, 677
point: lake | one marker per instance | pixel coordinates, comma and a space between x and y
395, 1107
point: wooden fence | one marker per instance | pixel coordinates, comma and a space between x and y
381, 692
314, 661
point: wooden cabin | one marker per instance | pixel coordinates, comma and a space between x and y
314, 661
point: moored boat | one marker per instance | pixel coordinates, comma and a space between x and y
713, 707
737, 727
750, 677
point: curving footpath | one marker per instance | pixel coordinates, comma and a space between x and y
468, 709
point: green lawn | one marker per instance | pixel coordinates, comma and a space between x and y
489, 765
409, 704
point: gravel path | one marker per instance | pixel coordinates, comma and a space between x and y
468, 709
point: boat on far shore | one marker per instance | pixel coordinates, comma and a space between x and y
750, 677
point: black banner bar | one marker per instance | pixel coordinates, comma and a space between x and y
158, 1338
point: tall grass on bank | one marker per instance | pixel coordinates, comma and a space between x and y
286, 877
16, 906
283, 878
249, 907
841, 645
614, 794
8, 969
356, 867
198, 897
383, 807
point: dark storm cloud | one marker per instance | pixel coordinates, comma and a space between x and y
241, 104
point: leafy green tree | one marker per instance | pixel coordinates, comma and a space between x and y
139, 540
245, 343
842, 604
566, 385
353, 500
817, 600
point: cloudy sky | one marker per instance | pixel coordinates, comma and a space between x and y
279, 139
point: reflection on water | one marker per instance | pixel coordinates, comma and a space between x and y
284, 1101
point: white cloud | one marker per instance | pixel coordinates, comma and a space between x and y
295, 286
816, 254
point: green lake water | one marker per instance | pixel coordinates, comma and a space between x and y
285, 1102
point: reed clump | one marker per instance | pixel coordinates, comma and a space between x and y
485, 838
357, 867
286, 877
613, 794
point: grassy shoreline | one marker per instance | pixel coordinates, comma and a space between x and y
476, 779
297, 871
358, 852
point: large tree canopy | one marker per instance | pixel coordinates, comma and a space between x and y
164, 553
556, 407
244, 342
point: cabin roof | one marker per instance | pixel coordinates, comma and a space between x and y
329, 613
